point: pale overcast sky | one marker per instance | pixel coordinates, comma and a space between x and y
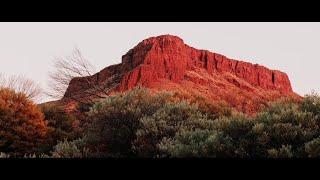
29, 48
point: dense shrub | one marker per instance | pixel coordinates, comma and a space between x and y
115, 121
283, 130
224, 137
141, 124
61, 125
287, 125
22, 124
134, 123
311, 103
213, 109
165, 123
196, 143
312, 148
70, 149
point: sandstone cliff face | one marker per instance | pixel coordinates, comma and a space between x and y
168, 57
166, 63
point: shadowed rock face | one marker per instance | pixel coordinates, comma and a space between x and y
166, 63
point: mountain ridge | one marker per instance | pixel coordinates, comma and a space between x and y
166, 63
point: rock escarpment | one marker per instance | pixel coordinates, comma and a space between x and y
166, 63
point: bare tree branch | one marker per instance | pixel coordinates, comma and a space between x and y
23, 85
69, 67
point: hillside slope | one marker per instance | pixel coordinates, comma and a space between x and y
167, 63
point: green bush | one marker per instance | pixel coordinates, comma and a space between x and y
286, 124
115, 121
70, 149
197, 143
312, 148
213, 109
225, 137
60, 125
134, 123
283, 130
165, 123
311, 103
285, 151
141, 124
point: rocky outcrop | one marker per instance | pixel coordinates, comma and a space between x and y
165, 60
168, 57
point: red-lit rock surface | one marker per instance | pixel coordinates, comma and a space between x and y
166, 63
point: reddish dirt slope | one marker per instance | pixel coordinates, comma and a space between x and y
166, 63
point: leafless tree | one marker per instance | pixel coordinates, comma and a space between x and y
3, 80
21, 84
69, 67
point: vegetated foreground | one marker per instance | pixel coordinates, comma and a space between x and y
143, 124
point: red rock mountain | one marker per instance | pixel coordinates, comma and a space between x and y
167, 63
